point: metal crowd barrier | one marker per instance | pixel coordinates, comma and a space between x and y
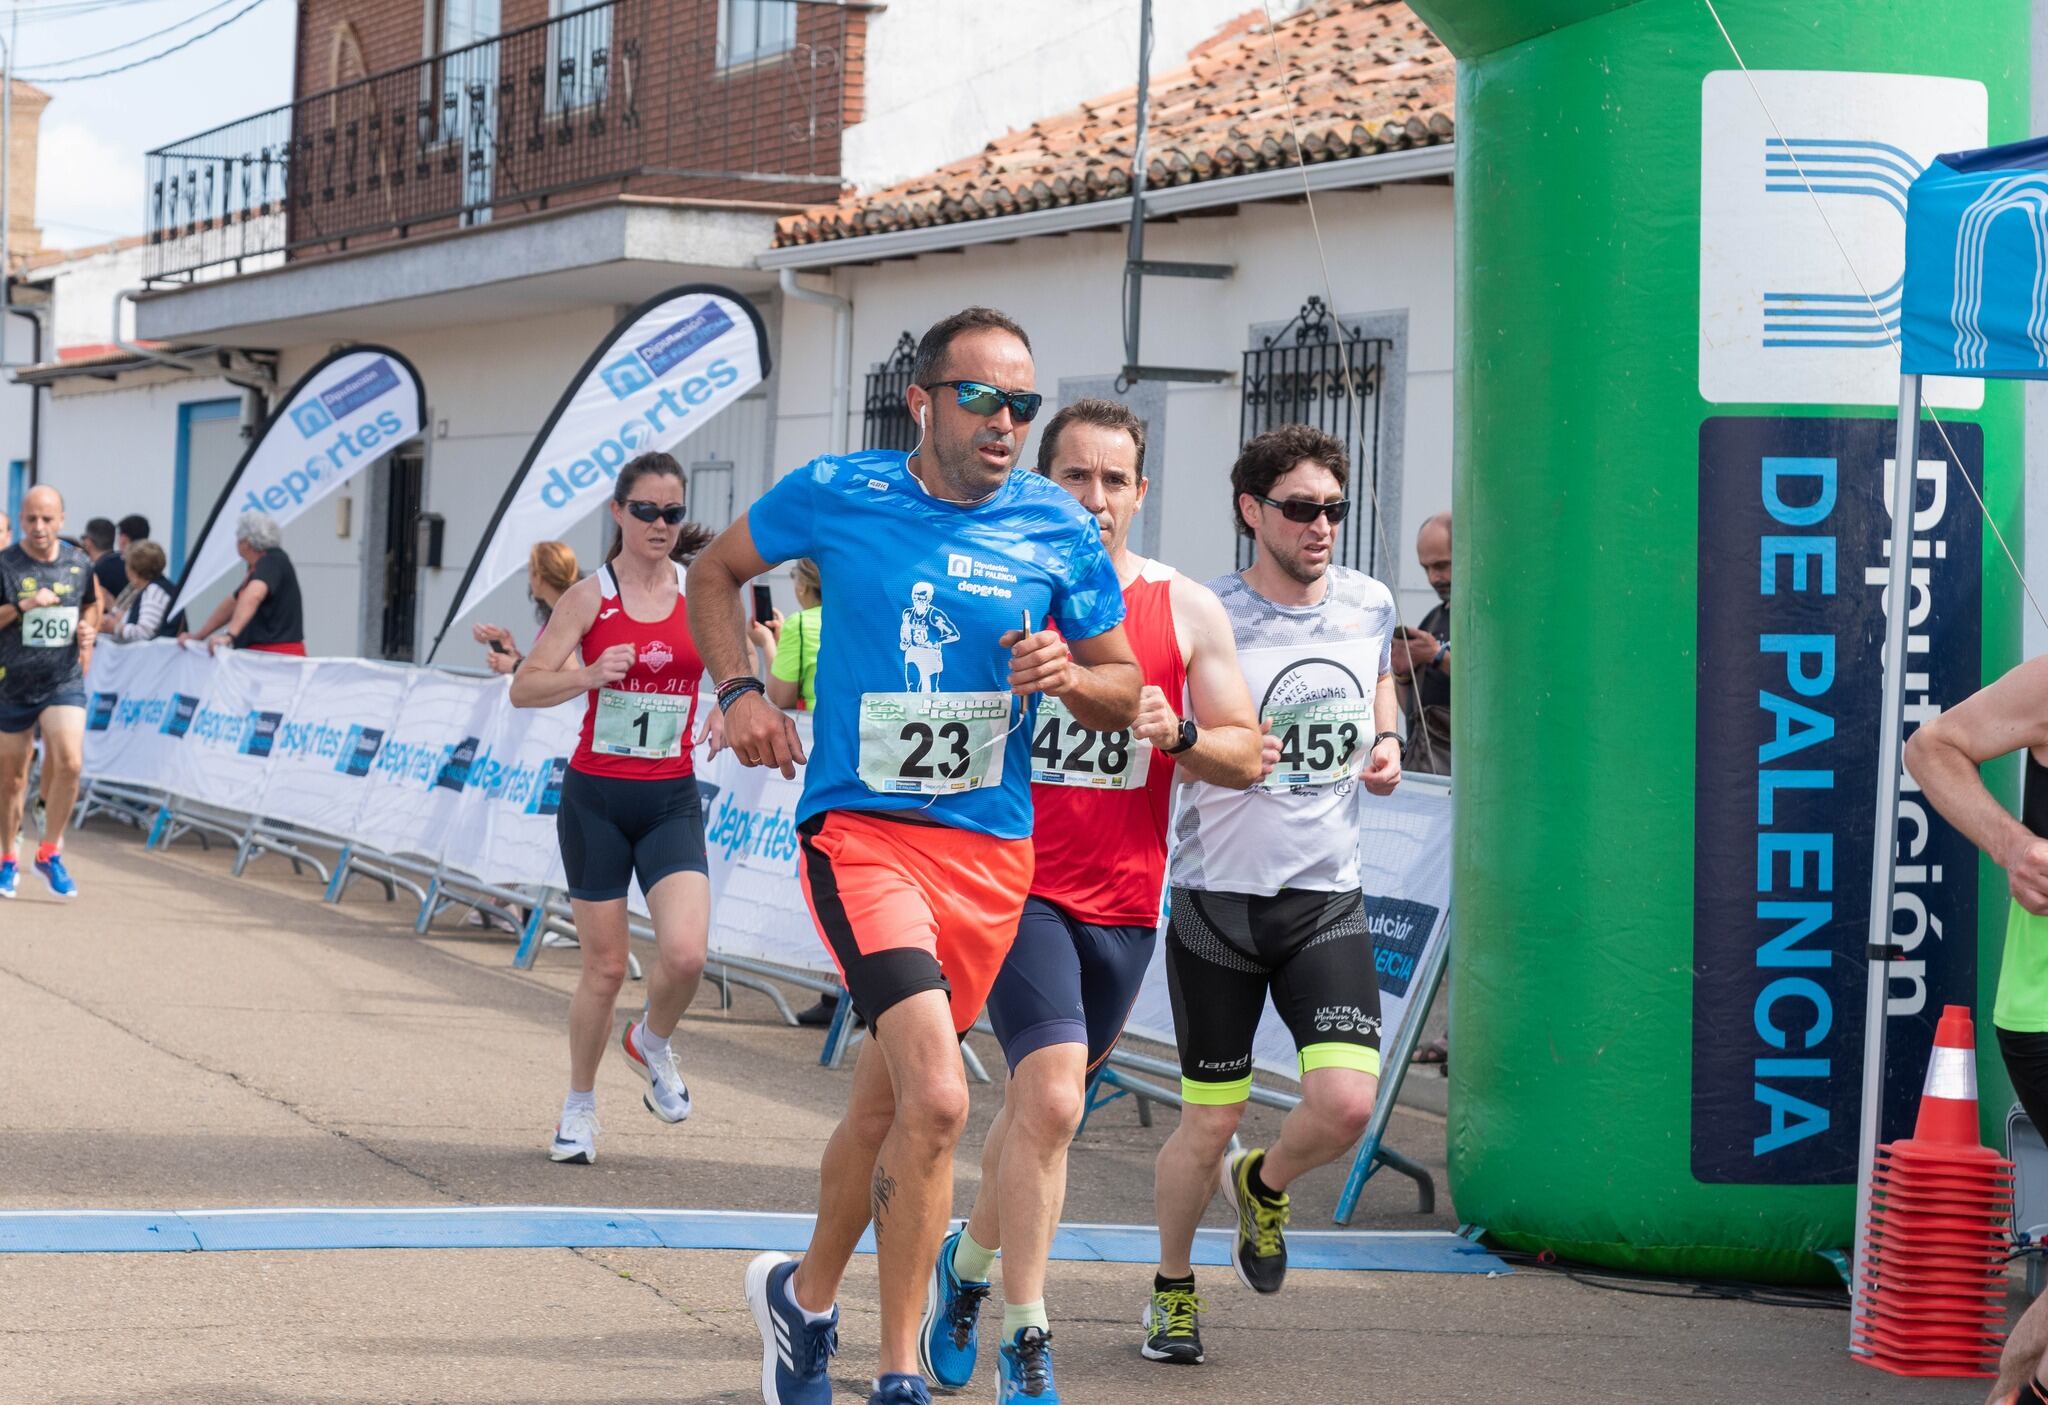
534, 912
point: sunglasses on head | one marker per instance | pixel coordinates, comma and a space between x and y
985, 400
1303, 511
672, 514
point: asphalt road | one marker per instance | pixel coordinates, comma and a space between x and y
180, 1038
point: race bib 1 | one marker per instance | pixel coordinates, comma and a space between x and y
932, 743
1321, 742
50, 627
646, 725
1063, 752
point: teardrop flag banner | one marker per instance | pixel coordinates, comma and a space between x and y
669, 366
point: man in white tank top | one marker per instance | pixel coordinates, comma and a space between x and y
1265, 896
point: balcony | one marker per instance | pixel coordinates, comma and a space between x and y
644, 97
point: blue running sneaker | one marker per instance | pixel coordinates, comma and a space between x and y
946, 1338
900, 1389
10, 878
794, 1350
55, 875
1024, 1368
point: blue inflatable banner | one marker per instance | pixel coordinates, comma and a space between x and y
1976, 300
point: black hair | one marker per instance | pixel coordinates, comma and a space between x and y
938, 340
135, 527
1268, 458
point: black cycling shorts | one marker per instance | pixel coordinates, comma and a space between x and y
612, 828
1225, 951
1066, 981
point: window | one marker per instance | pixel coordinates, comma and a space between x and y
1346, 377
579, 54
885, 419
752, 30
465, 22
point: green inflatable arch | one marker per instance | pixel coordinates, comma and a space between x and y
1672, 430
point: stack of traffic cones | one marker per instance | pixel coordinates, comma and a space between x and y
1933, 1270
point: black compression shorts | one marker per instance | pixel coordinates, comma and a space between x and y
612, 828
1224, 951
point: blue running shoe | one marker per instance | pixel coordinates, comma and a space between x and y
10, 878
794, 1350
54, 874
900, 1389
1024, 1368
946, 1338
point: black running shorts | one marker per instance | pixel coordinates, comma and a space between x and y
612, 828
1225, 951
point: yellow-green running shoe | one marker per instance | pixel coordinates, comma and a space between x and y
1173, 1329
1258, 1251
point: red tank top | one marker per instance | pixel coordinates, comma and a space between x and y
665, 662
1102, 852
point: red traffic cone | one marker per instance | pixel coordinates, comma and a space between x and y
1933, 1267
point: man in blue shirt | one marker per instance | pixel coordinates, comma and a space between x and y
915, 819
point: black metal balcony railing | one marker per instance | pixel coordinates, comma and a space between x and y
507, 125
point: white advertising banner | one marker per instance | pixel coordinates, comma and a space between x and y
669, 366
519, 785
1404, 854
224, 757
325, 748
346, 413
144, 702
444, 768
415, 793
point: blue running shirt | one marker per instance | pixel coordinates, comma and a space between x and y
917, 592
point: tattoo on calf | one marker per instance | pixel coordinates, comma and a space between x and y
884, 1188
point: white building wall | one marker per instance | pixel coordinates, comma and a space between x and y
82, 310
1002, 71
1389, 251
111, 447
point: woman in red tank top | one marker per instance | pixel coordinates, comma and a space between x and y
629, 802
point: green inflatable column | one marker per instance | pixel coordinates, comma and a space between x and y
1675, 407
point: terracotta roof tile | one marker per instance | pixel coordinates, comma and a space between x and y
1364, 76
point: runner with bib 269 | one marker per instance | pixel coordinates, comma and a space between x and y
915, 821
1090, 924
49, 614
629, 801
1265, 882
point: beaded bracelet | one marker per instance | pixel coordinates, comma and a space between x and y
733, 689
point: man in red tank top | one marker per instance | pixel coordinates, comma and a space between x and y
1102, 802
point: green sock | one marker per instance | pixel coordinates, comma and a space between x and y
1018, 1316
971, 1262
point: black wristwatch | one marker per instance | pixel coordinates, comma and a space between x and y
1189, 734
1384, 736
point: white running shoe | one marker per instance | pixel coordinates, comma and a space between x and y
576, 1138
667, 1096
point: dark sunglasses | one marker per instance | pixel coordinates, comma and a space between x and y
654, 512
987, 400
1302, 511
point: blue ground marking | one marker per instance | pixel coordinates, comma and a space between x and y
552, 1227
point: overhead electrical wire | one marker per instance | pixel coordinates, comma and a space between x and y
28, 71
1357, 411
41, 79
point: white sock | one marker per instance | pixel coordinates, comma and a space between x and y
585, 1102
651, 1044
789, 1291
